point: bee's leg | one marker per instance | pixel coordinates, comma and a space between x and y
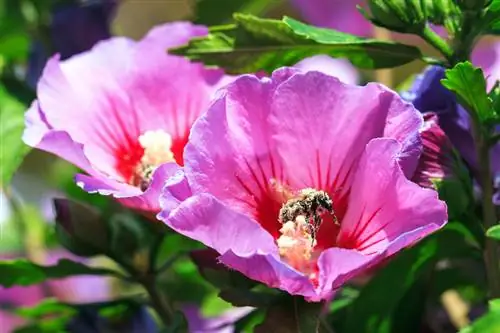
335, 219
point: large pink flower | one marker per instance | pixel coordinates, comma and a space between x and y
272, 154
122, 112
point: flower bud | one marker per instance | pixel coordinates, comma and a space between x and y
441, 12
80, 228
406, 16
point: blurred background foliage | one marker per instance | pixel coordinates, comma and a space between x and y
31, 31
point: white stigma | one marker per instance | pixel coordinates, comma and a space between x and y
157, 148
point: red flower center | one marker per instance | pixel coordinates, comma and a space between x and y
137, 160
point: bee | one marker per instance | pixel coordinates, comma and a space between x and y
311, 204
142, 177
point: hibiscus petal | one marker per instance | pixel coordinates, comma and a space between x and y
340, 68
312, 113
206, 219
269, 269
387, 205
130, 195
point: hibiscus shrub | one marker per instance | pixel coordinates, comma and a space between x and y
234, 171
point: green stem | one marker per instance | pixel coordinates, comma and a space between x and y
437, 42
491, 254
464, 42
158, 301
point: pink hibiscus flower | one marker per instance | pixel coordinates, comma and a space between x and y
302, 182
122, 112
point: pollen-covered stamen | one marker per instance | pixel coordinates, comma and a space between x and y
296, 246
302, 216
157, 150
310, 203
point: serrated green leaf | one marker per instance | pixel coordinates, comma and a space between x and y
12, 149
469, 85
22, 272
494, 232
254, 44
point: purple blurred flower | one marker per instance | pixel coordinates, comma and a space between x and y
220, 324
81, 289
12, 298
340, 15
75, 28
487, 56
428, 95
277, 142
122, 112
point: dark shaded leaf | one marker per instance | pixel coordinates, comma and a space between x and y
24, 273
208, 14
408, 268
80, 228
291, 315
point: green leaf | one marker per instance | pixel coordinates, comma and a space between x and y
254, 44
489, 323
409, 268
469, 85
494, 305
22, 272
12, 149
208, 14
242, 297
48, 306
492, 18
293, 314
494, 232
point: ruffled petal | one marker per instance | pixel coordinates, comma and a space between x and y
129, 195
385, 205
312, 113
206, 219
269, 269
339, 68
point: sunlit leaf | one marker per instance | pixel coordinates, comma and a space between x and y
469, 85
12, 149
254, 44
494, 232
